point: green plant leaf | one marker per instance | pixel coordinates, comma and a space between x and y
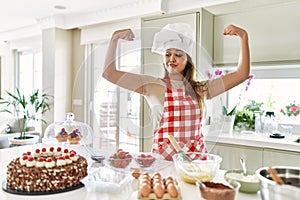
232, 112
26, 108
225, 111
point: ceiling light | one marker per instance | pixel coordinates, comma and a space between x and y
60, 7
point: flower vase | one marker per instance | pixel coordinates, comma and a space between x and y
227, 124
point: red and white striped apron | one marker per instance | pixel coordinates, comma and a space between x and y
181, 118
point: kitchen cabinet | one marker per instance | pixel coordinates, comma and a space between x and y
272, 157
231, 155
273, 35
256, 157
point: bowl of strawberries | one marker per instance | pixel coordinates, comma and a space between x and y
145, 159
120, 159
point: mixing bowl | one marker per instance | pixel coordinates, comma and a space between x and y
249, 182
203, 167
270, 190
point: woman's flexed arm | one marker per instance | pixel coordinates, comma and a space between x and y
123, 79
242, 71
243, 68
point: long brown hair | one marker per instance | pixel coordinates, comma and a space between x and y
197, 89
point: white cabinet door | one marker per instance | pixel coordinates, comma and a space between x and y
274, 157
231, 155
273, 34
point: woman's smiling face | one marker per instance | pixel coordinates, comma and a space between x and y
175, 60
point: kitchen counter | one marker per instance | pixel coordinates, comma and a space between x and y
188, 191
258, 140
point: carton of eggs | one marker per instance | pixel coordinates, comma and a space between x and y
158, 187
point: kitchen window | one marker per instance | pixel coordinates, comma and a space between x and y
276, 87
29, 71
29, 74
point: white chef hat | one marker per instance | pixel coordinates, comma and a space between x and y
177, 35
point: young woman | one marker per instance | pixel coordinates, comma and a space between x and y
177, 99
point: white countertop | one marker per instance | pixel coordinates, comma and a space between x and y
256, 140
188, 191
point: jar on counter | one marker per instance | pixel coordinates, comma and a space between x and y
270, 122
258, 126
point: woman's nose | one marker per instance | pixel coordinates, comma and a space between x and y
172, 58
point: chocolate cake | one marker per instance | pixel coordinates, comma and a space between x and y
46, 170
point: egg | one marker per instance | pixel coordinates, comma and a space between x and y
159, 190
146, 181
146, 175
172, 190
136, 173
156, 175
157, 181
145, 189
145, 178
169, 180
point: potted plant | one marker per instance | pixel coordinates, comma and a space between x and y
291, 112
292, 109
228, 119
244, 119
26, 108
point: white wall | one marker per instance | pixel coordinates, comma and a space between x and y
7, 73
62, 74
57, 71
273, 34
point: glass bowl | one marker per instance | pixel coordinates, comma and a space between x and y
202, 167
120, 159
145, 159
249, 182
212, 190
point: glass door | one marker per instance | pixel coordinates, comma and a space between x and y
116, 110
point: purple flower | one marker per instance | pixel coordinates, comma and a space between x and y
217, 73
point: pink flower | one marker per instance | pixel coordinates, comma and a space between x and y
294, 109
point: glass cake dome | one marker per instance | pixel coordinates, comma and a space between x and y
68, 132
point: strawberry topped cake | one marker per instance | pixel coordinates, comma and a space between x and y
46, 169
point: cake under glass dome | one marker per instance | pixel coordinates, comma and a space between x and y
68, 132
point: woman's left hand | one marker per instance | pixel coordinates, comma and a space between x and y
234, 30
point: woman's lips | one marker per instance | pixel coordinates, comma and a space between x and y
172, 65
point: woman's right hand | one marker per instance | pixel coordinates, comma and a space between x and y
125, 34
